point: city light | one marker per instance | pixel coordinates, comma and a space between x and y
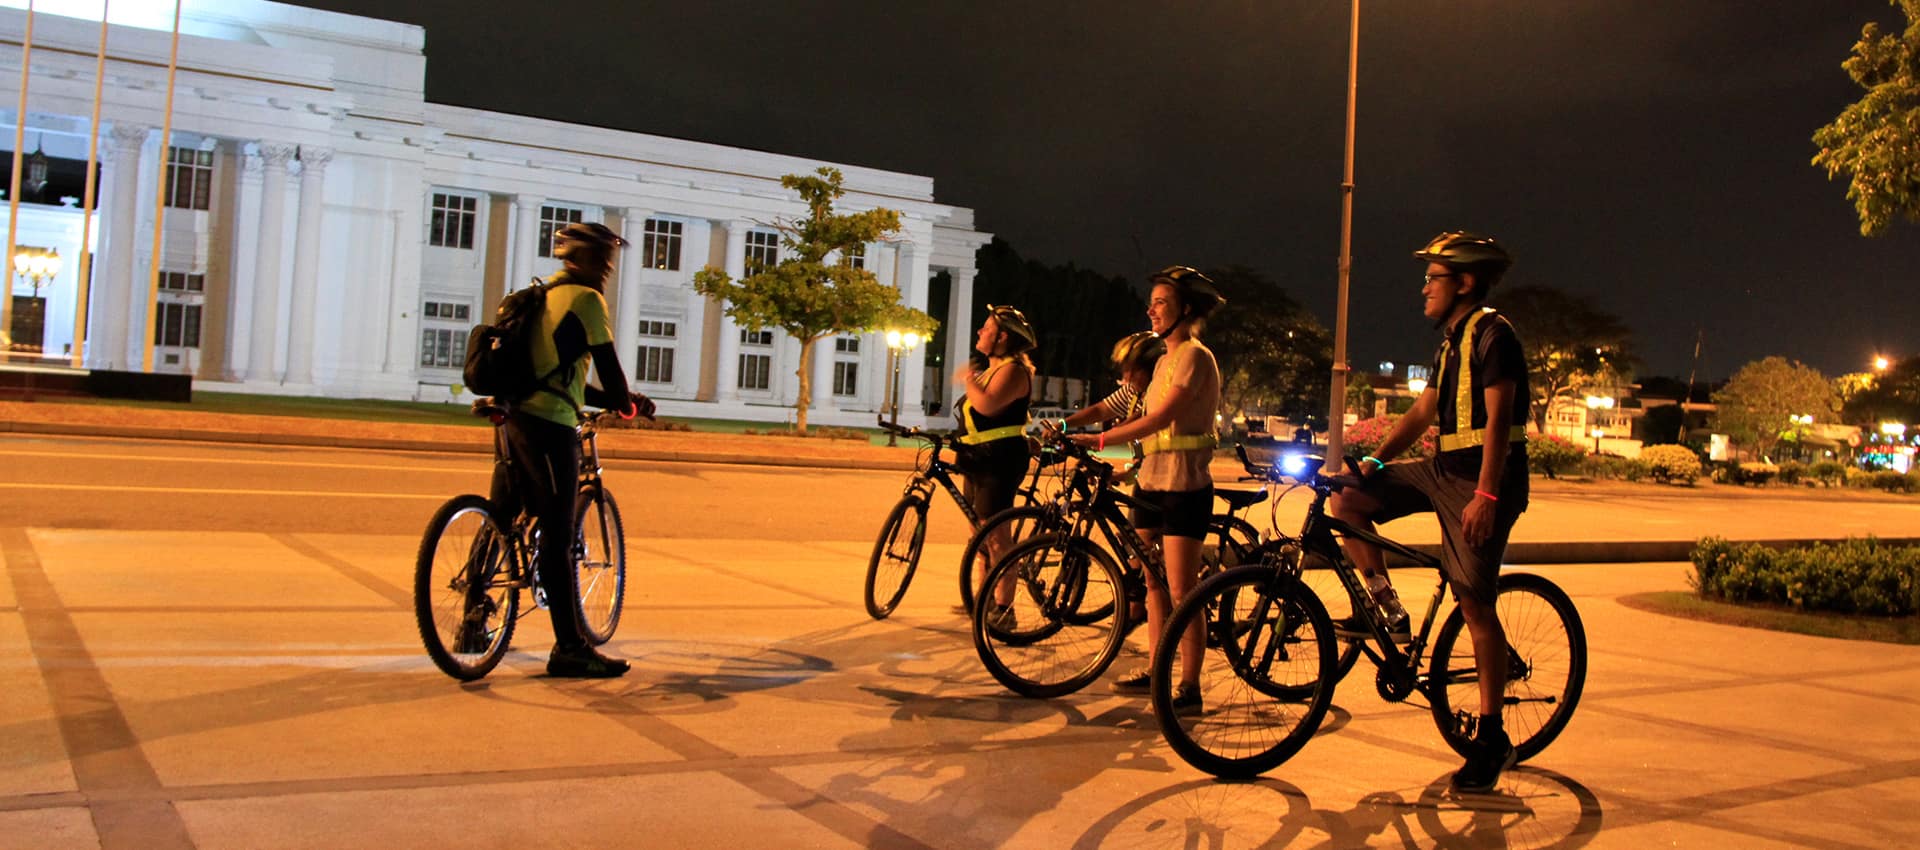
1880, 363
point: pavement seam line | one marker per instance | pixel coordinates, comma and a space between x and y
102, 748
386, 589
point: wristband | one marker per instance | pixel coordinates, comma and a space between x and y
631, 411
1063, 424
1103, 441
1377, 464
1489, 496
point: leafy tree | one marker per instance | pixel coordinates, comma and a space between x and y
1891, 396
812, 293
1875, 141
1568, 340
1274, 355
1078, 314
1757, 406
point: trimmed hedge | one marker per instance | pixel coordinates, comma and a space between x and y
1552, 455
1611, 466
1855, 576
1671, 464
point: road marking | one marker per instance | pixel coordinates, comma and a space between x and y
218, 491
364, 578
70, 457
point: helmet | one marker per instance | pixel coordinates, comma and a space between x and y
1138, 351
1196, 289
1015, 325
1461, 248
592, 233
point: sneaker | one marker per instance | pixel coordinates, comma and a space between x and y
583, 663
1000, 619
1186, 701
1357, 628
1137, 682
1491, 756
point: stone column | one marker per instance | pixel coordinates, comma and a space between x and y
913, 267
108, 335
959, 328
824, 356
306, 264
245, 247
262, 352
523, 250
626, 304
727, 386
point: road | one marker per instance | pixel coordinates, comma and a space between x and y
211, 646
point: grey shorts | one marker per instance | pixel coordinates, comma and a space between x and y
1420, 486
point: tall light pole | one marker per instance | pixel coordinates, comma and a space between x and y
1595, 404
1337, 405
898, 344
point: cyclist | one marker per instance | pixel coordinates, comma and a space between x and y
1176, 432
998, 387
543, 445
1134, 356
1476, 484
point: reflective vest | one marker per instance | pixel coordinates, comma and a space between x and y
1463, 393
974, 435
1165, 440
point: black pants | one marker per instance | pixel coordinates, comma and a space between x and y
543, 476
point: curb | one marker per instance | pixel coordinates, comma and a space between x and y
1626, 551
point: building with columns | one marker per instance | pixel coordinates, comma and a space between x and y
325, 230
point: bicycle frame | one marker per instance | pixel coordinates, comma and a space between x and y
524, 540
936, 469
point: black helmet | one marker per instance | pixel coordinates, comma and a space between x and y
1456, 248
1015, 325
593, 233
1138, 351
1196, 290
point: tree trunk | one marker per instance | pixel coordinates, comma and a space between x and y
806, 387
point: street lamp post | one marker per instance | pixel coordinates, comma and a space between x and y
1595, 404
898, 344
1597, 434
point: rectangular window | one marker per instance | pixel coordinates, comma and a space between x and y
846, 344
656, 328
444, 348
654, 364
177, 325
748, 337
446, 311
551, 220
846, 378
452, 222
755, 371
855, 256
189, 178
763, 250
182, 282
660, 247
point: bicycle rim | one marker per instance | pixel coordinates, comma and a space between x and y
896, 553
1547, 667
600, 563
1031, 645
464, 598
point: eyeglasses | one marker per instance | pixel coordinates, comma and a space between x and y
1430, 277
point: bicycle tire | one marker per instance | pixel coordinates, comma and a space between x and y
1038, 651
1275, 677
890, 568
1548, 649
1230, 541
465, 624
1021, 523
599, 563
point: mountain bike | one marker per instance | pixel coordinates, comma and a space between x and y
896, 552
1273, 657
473, 563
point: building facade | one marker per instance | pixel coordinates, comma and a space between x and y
325, 230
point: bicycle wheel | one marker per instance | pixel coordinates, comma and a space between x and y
1018, 523
896, 553
1266, 678
599, 562
464, 598
1034, 645
1546, 667
1317, 574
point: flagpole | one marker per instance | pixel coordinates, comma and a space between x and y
13, 193
160, 201
82, 288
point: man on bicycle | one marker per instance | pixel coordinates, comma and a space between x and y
1476, 484
542, 441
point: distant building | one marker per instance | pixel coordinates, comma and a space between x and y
328, 231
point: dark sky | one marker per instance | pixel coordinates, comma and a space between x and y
1651, 154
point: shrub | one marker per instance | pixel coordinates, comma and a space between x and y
1550, 455
1366, 435
1757, 474
1829, 472
1612, 467
827, 432
1671, 464
1857, 477
1792, 472
639, 424
1852, 577
1891, 481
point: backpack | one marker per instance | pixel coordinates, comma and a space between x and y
500, 355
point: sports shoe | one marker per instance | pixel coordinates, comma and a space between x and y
1356, 628
1492, 754
1000, 619
1137, 682
583, 663
1186, 701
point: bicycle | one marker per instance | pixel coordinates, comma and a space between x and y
471, 567
891, 566
1273, 659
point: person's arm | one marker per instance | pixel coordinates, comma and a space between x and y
1477, 520
1100, 411
1425, 410
1002, 389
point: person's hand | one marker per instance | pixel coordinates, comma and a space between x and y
1085, 441
642, 406
1477, 521
1369, 465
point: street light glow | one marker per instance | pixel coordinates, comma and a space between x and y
1880, 363
1416, 385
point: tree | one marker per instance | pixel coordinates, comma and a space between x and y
1274, 355
1568, 341
1757, 407
1875, 141
1890, 396
1078, 314
813, 292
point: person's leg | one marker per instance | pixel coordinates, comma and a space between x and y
1396, 490
1474, 572
1188, 515
1148, 525
553, 473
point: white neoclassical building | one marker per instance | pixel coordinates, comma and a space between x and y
325, 230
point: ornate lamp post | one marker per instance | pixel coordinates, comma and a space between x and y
898, 344
1595, 404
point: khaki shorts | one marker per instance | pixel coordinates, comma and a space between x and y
1421, 486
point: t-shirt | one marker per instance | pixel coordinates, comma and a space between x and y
1191, 365
1121, 403
575, 320
1497, 356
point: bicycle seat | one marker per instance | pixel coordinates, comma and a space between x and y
489, 408
1240, 499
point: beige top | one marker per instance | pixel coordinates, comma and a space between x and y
1190, 365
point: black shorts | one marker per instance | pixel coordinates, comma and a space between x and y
1425, 486
1182, 513
994, 472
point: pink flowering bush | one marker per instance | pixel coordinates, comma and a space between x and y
1551, 455
1364, 438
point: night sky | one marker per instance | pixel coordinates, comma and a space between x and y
1651, 155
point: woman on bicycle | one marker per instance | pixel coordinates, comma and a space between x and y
1176, 433
1134, 356
998, 384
